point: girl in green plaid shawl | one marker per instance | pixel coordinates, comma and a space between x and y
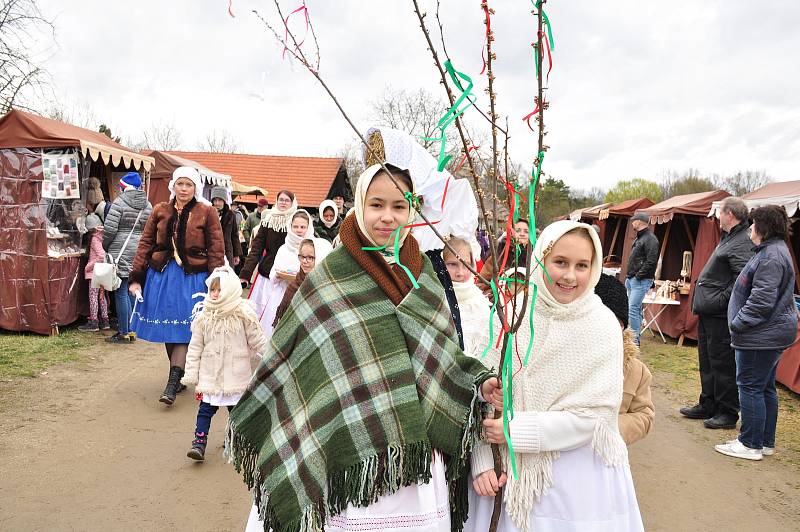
363, 412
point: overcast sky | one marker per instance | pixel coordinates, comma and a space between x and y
637, 89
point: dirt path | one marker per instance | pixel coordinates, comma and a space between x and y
89, 448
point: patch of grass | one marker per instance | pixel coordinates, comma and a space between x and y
675, 369
27, 355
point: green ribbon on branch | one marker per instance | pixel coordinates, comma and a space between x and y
491, 318
508, 398
530, 324
454, 112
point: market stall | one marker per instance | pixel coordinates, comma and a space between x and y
787, 195
51, 175
687, 237
613, 221
166, 163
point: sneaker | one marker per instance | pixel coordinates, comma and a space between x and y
104, 325
767, 451
737, 449
89, 326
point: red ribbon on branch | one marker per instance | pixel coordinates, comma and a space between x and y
304, 9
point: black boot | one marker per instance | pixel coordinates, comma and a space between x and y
198, 450
173, 384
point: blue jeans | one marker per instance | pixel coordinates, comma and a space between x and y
758, 399
204, 414
124, 302
637, 288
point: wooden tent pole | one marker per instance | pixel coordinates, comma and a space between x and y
614, 238
688, 232
664, 245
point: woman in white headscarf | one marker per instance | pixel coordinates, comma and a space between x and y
329, 221
572, 471
268, 292
181, 244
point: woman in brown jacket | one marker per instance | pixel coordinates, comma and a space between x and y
181, 244
636, 413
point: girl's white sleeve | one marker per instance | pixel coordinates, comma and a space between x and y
192, 372
536, 432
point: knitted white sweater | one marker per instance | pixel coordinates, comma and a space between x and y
568, 395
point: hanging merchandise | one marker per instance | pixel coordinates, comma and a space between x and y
60, 176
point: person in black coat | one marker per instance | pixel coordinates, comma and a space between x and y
762, 316
641, 270
719, 397
230, 229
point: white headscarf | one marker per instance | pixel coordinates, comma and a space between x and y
189, 173
322, 248
221, 315
545, 243
460, 215
360, 200
286, 259
279, 220
328, 204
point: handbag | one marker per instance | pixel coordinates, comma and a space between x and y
104, 274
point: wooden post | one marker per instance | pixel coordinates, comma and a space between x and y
688, 231
614, 238
664, 247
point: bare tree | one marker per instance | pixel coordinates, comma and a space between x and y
78, 114
416, 113
353, 162
218, 142
163, 136
741, 183
21, 75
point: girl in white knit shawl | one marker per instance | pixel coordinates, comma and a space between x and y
572, 464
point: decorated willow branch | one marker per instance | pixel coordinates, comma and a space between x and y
517, 318
298, 54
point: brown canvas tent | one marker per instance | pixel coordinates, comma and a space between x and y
613, 222
166, 163
681, 224
44, 171
787, 195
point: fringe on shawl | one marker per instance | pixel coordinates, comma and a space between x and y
458, 467
536, 475
223, 322
362, 483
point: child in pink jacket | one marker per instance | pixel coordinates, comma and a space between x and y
96, 254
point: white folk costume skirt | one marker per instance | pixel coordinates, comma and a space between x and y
417, 508
586, 496
267, 295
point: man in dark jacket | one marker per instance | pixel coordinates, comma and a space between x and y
230, 229
641, 270
719, 397
253, 221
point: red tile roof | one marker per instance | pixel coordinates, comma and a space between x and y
310, 178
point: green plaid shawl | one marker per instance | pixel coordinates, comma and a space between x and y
353, 397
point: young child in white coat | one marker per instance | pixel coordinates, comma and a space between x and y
571, 462
225, 334
475, 310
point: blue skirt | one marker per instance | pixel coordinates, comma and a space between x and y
165, 315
